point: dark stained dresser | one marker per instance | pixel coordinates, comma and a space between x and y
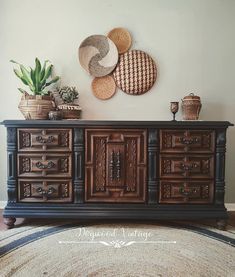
116, 170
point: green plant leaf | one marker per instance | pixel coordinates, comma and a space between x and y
47, 73
43, 70
32, 75
21, 90
26, 75
37, 74
18, 73
54, 80
12, 61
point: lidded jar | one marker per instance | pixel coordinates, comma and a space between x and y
191, 106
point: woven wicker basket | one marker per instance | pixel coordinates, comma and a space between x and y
36, 106
70, 111
191, 106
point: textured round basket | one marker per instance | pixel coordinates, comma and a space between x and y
122, 39
98, 55
136, 72
103, 87
36, 106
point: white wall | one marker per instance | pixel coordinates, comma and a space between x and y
192, 42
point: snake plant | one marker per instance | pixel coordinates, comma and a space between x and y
36, 79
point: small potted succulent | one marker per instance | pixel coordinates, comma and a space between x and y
38, 103
66, 98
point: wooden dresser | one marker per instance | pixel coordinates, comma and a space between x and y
116, 169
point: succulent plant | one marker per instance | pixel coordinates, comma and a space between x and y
36, 79
68, 94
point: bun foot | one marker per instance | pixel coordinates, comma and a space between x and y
9, 222
221, 224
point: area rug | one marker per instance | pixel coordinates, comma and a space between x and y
117, 249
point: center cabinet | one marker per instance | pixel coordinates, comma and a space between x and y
115, 165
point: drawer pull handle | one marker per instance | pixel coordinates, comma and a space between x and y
115, 166
188, 141
188, 167
40, 165
45, 192
42, 140
111, 165
187, 192
118, 165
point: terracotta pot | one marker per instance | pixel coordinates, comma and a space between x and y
191, 106
36, 106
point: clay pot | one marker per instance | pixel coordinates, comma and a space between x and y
36, 106
191, 106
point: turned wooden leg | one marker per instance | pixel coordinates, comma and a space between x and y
221, 224
9, 222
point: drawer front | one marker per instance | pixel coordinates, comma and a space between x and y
44, 165
186, 192
45, 140
44, 191
187, 141
186, 166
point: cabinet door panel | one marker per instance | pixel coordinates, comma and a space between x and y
115, 165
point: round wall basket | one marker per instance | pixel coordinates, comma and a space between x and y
136, 72
98, 55
103, 87
122, 39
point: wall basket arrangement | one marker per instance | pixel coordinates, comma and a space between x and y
109, 60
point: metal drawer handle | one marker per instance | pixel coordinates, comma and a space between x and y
112, 165
49, 165
46, 192
188, 167
188, 141
187, 192
115, 165
42, 140
118, 165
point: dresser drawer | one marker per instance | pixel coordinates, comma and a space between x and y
30, 190
185, 166
186, 192
187, 141
45, 140
41, 165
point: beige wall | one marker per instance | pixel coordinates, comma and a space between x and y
192, 42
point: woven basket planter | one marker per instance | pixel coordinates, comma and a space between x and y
36, 106
70, 111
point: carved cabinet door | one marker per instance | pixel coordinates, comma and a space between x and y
115, 165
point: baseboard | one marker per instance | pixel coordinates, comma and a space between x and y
2, 204
229, 206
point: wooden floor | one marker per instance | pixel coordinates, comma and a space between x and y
22, 221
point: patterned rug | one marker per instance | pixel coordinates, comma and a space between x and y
69, 248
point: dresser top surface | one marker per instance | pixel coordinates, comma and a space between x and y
116, 123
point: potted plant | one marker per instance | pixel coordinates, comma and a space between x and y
38, 103
67, 101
